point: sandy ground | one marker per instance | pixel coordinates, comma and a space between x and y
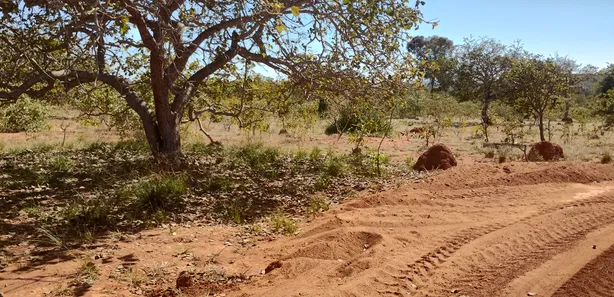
518, 229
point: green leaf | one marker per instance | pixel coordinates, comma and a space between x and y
123, 26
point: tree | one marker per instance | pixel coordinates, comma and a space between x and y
433, 53
538, 84
607, 82
159, 54
479, 75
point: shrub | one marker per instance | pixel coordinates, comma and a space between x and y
61, 165
315, 154
256, 156
410, 162
133, 145
25, 115
322, 183
88, 215
281, 223
368, 122
318, 204
335, 166
96, 146
160, 193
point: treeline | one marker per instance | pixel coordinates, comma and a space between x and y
526, 85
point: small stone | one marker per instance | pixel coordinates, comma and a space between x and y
531, 294
454, 291
227, 243
594, 247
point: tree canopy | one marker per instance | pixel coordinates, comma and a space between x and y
157, 55
538, 84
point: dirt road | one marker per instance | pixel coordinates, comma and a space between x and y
482, 230
522, 229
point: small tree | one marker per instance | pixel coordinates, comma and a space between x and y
537, 84
481, 64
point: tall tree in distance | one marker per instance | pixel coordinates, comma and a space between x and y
433, 53
479, 76
537, 84
607, 82
156, 54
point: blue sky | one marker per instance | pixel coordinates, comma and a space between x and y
580, 29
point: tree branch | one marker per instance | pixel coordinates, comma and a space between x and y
200, 75
138, 20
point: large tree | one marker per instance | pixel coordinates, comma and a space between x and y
156, 54
434, 54
537, 84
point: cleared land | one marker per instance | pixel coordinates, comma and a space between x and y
479, 229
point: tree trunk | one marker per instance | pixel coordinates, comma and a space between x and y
164, 140
566, 118
486, 122
540, 118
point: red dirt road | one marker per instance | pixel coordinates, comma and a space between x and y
473, 231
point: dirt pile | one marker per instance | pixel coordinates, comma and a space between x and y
545, 151
437, 156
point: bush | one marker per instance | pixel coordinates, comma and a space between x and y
132, 145
25, 115
160, 193
256, 156
283, 224
368, 122
335, 166
61, 165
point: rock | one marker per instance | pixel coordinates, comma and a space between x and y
594, 247
507, 169
283, 132
184, 280
545, 151
454, 291
437, 156
531, 294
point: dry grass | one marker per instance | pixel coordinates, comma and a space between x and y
582, 145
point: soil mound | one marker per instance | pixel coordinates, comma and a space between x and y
437, 156
545, 151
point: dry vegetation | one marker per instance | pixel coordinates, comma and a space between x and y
75, 203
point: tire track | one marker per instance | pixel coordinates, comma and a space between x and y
535, 239
594, 279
